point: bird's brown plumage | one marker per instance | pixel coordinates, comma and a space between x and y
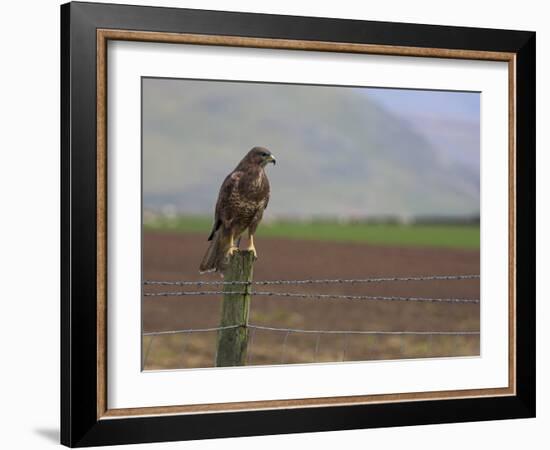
242, 199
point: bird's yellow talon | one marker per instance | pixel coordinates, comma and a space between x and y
251, 247
232, 250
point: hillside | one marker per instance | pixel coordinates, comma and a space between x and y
338, 152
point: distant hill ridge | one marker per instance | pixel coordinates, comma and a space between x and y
338, 152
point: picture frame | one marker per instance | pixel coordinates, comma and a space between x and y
86, 418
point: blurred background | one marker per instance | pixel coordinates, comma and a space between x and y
369, 182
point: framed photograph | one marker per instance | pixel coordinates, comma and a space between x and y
278, 224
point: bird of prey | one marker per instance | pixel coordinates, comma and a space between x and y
242, 199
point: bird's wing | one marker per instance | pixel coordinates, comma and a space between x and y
266, 200
259, 212
223, 214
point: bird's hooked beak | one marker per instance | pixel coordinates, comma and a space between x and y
271, 159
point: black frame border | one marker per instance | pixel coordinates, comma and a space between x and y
79, 423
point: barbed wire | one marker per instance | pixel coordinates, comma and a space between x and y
364, 297
318, 333
311, 281
316, 296
184, 293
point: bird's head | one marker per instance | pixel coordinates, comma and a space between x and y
260, 156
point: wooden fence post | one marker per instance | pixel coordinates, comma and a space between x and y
232, 343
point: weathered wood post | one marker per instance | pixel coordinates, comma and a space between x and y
232, 343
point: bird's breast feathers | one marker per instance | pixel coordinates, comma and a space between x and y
249, 193
253, 185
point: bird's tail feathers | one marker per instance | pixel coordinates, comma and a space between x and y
215, 259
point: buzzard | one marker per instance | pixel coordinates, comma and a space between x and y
243, 196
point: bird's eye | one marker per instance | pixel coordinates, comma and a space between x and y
264, 154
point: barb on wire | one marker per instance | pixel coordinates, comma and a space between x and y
312, 281
317, 296
190, 330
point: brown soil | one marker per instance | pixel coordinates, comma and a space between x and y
176, 256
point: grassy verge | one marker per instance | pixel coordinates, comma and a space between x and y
446, 236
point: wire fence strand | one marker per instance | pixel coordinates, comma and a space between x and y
184, 293
398, 333
364, 297
190, 330
297, 330
312, 281
316, 296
